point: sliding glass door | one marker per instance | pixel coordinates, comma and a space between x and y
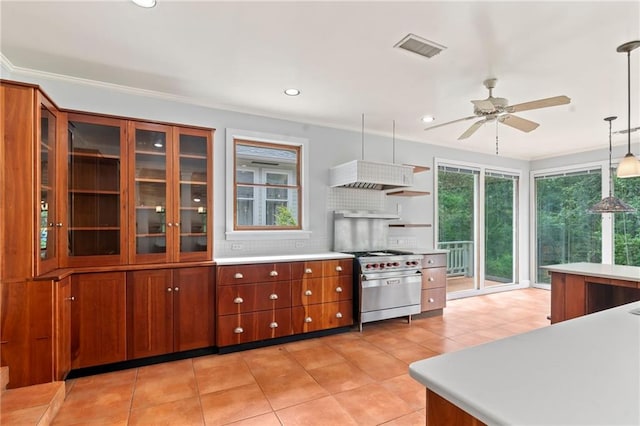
478, 225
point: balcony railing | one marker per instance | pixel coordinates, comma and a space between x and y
459, 257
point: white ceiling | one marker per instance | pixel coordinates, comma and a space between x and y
241, 56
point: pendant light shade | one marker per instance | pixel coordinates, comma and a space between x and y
630, 165
611, 204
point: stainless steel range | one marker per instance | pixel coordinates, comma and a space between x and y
388, 283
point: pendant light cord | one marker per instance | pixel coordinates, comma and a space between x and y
628, 102
394, 141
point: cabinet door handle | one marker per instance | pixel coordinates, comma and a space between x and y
308, 271
273, 296
238, 300
430, 261
431, 279
176, 289
71, 299
338, 289
273, 325
238, 276
338, 268
59, 224
177, 224
339, 315
238, 330
308, 293
308, 319
273, 273
431, 300
169, 289
51, 224
169, 224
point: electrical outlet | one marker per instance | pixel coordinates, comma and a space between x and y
236, 246
299, 244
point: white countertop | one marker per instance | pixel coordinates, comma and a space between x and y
281, 258
619, 272
584, 371
428, 251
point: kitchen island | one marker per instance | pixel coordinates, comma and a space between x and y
580, 372
578, 289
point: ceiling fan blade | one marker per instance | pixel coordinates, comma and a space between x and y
450, 122
518, 123
540, 103
624, 132
471, 130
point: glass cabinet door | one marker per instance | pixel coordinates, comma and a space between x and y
193, 192
94, 190
153, 216
47, 253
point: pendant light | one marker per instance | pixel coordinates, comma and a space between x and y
630, 165
611, 204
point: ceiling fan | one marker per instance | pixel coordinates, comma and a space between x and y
492, 109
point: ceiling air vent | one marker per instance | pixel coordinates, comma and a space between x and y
420, 46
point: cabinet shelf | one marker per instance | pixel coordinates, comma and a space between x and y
194, 156
151, 180
93, 192
408, 193
93, 155
155, 153
192, 182
419, 169
409, 225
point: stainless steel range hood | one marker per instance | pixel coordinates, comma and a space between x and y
371, 175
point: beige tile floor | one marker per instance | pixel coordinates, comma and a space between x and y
350, 378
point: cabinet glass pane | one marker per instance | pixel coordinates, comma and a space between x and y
151, 191
47, 182
94, 189
193, 193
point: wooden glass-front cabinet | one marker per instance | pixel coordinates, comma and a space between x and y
170, 193
96, 224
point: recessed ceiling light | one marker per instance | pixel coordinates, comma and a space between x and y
427, 118
145, 3
291, 92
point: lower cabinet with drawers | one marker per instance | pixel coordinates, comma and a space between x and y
264, 301
434, 282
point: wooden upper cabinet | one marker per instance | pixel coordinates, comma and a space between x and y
94, 184
169, 193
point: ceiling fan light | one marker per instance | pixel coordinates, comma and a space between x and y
145, 3
628, 167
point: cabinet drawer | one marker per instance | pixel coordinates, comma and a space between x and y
433, 299
235, 299
254, 326
307, 292
244, 274
338, 288
337, 267
434, 260
322, 316
434, 277
306, 270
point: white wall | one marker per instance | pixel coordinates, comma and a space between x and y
326, 147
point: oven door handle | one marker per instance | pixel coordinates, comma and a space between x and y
373, 277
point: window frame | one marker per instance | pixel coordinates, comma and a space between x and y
233, 232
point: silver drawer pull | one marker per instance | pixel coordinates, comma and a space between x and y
169, 289
72, 298
338, 268
308, 271
431, 279
238, 276
273, 273
238, 300
339, 315
273, 296
430, 261
238, 330
338, 289
308, 319
273, 325
308, 293
431, 300
176, 289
